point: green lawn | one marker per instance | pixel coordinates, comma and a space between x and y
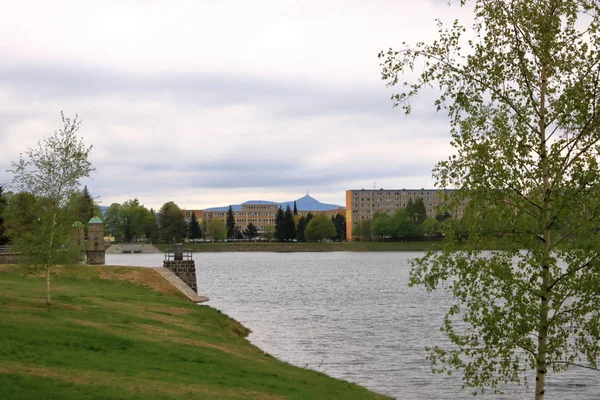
123, 333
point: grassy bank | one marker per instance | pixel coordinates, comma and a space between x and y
309, 247
124, 333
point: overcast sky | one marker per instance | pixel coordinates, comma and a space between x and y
214, 102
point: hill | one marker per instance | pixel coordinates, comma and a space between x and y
124, 333
306, 203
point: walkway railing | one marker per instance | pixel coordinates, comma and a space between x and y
6, 249
178, 253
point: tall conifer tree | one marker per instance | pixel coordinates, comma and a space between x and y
289, 224
230, 223
279, 225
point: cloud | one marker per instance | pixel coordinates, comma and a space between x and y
212, 103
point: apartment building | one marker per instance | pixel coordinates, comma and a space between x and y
259, 213
364, 203
262, 213
188, 214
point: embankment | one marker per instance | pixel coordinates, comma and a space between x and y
126, 333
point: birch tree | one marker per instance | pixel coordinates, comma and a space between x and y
521, 90
51, 171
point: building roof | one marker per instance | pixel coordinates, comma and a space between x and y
258, 203
234, 207
95, 220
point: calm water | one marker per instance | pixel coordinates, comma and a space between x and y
350, 315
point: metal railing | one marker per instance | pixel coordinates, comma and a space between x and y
6, 249
178, 253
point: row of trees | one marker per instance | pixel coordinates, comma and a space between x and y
289, 226
131, 221
405, 223
22, 214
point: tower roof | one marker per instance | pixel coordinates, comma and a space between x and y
95, 220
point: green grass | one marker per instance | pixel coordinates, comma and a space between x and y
123, 333
490, 244
309, 247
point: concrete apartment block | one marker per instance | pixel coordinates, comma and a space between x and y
364, 203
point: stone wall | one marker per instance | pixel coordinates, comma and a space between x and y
95, 257
10, 258
185, 270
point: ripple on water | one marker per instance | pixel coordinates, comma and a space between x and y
350, 315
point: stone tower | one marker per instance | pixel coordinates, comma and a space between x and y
95, 243
180, 262
78, 240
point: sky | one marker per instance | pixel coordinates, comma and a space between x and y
215, 102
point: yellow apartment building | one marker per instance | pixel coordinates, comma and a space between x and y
262, 213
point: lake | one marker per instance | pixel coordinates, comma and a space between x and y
350, 315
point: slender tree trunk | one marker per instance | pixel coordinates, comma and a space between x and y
48, 296
50, 251
541, 365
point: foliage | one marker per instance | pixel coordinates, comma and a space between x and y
133, 216
402, 225
3, 238
301, 227
20, 216
416, 210
279, 225
443, 216
216, 230
339, 221
288, 225
130, 221
112, 221
431, 227
399, 226
251, 232
194, 229
381, 225
362, 230
85, 206
151, 229
230, 223
295, 208
268, 233
319, 228
171, 222
521, 92
51, 172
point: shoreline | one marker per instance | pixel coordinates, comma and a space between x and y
301, 247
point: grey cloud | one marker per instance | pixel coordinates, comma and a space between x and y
298, 98
234, 175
